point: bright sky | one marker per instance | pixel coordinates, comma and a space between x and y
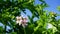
52, 6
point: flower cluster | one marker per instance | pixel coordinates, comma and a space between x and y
21, 20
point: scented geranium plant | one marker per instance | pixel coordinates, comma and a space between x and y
10, 15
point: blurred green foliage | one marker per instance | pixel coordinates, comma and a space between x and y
58, 8
9, 9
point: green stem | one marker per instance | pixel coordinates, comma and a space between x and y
24, 30
5, 29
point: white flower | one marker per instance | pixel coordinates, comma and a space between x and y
49, 25
21, 21
52, 27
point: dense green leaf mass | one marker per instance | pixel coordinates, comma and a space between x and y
9, 9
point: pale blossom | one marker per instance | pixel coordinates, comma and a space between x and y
21, 20
50, 26
24, 22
